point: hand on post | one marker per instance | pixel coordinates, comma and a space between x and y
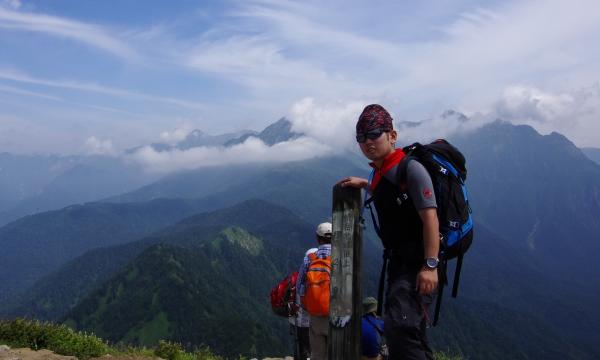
354, 181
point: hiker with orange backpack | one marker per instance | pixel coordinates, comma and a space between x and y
313, 284
299, 325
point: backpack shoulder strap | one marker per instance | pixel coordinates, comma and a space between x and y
402, 172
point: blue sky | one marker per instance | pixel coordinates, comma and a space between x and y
90, 76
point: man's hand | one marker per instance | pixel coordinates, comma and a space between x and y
427, 281
354, 182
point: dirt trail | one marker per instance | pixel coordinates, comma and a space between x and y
7, 353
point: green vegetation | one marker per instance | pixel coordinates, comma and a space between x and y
236, 235
174, 351
58, 338
63, 340
150, 332
197, 294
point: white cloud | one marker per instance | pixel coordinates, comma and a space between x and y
251, 151
328, 128
177, 135
266, 56
330, 123
88, 34
95, 146
236, 56
334, 123
258, 63
440, 126
19, 76
574, 114
291, 50
531, 104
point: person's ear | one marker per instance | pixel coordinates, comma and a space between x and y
393, 136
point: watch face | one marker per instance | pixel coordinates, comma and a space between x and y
432, 262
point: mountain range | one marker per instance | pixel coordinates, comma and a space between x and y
153, 281
32, 184
535, 199
38, 244
211, 274
196, 138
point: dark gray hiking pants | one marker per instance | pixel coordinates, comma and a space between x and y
406, 320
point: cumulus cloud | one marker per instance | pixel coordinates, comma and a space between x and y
574, 114
521, 103
177, 135
331, 123
95, 146
328, 128
437, 127
252, 150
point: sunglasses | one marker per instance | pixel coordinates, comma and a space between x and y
372, 135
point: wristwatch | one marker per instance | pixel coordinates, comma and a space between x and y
431, 263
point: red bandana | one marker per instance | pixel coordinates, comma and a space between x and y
388, 163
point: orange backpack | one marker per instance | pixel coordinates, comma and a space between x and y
316, 284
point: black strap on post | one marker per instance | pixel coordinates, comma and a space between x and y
459, 260
367, 205
381, 288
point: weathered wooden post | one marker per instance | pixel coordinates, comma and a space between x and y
346, 289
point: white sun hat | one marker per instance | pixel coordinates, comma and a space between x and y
324, 229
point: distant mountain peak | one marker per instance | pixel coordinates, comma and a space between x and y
282, 124
279, 131
455, 114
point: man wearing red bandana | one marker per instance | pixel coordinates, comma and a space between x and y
408, 227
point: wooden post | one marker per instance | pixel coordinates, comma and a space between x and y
346, 289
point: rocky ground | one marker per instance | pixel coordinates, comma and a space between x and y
7, 353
